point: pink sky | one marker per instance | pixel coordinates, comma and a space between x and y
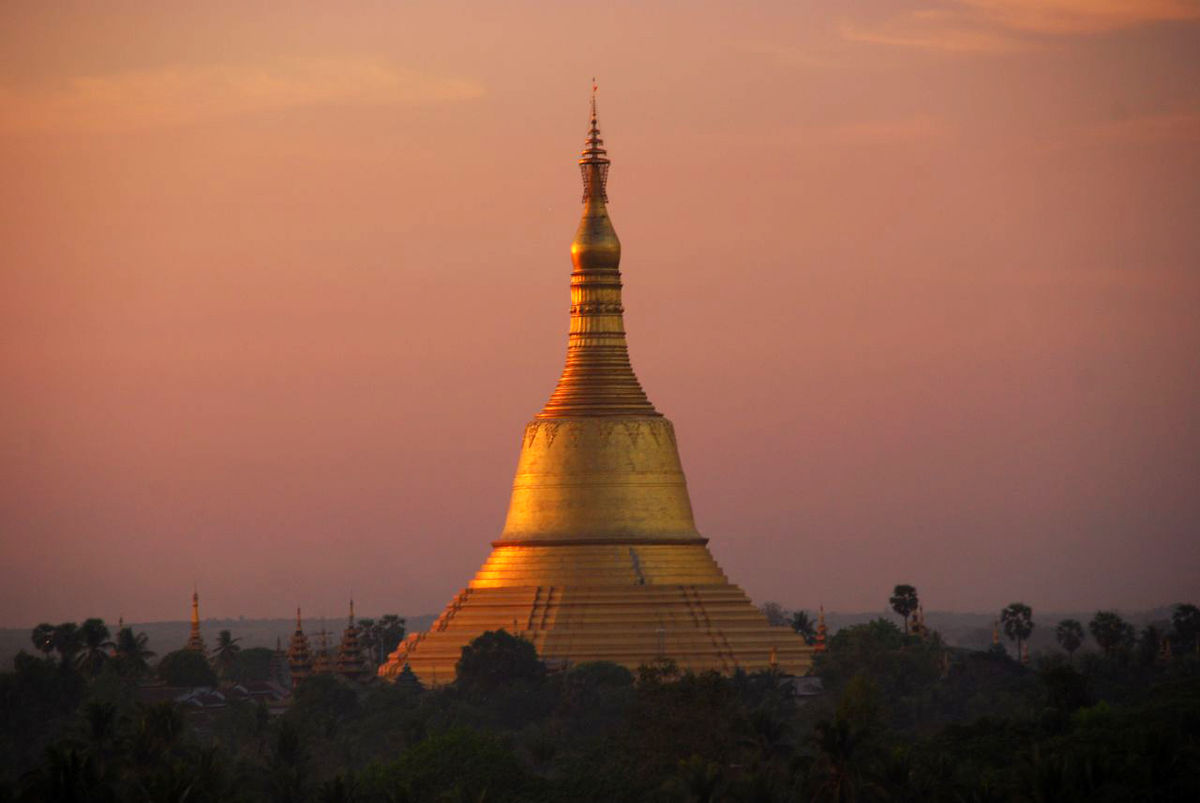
918, 286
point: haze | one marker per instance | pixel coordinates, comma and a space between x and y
917, 284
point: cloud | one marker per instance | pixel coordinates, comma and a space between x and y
1082, 16
997, 26
937, 31
177, 96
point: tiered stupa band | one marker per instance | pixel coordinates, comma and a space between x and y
600, 558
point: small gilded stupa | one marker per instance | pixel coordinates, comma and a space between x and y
195, 641
600, 559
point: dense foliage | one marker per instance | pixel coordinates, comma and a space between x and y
902, 718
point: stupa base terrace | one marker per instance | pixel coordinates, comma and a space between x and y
639, 604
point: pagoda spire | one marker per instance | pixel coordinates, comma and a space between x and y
597, 378
350, 661
195, 640
299, 654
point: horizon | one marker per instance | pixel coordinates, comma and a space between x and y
1135, 615
917, 290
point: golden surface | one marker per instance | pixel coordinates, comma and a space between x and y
600, 558
597, 378
599, 477
700, 627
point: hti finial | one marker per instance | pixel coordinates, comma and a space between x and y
594, 159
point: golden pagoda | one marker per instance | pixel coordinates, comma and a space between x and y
299, 654
350, 661
195, 641
600, 559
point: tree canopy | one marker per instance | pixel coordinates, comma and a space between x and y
1069, 633
904, 602
1017, 620
186, 668
1111, 631
498, 658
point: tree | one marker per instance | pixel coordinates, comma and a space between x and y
804, 625
461, 764
1185, 624
67, 642
1017, 620
1070, 635
496, 659
696, 781
186, 668
43, 638
130, 654
1111, 631
904, 601
94, 636
368, 637
381, 637
251, 664
323, 702
1149, 645
777, 615
225, 652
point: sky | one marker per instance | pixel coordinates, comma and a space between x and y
280, 285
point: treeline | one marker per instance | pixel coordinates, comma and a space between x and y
1157, 640
902, 718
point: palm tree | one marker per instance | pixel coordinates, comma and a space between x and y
67, 640
94, 635
225, 652
43, 638
1017, 619
904, 601
1070, 635
131, 654
1111, 631
804, 625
